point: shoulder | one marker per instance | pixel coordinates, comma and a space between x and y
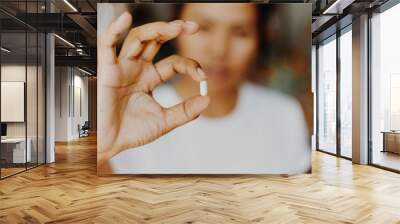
267, 98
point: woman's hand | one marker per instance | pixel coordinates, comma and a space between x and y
128, 115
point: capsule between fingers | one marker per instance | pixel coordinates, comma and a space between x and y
203, 88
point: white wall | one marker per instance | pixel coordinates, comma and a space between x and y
69, 82
79, 117
61, 103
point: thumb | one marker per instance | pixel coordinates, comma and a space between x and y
186, 111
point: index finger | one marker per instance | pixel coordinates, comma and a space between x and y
108, 39
161, 32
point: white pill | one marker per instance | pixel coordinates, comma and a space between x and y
203, 88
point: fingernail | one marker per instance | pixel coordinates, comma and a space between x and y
201, 73
176, 24
121, 17
191, 24
180, 22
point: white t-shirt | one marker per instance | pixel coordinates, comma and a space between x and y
264, 134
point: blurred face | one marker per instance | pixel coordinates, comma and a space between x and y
226, 44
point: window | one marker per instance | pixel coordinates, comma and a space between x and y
346, 92
394, 102
327, 96
333, 137
385, 89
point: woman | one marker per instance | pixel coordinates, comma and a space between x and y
244, 128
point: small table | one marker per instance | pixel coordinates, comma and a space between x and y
391, 141
13, 150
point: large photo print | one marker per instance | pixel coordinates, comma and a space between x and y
204, 88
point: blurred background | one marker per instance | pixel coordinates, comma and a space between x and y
284, 61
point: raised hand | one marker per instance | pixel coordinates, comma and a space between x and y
128, 115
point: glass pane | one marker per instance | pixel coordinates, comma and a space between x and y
346, 93
313, 83
22, 89
386, 89
31, 100
32, 88
41, 98
13, 89
327, 96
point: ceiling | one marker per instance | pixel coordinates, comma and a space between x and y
77, 23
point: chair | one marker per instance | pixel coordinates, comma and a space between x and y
84, 130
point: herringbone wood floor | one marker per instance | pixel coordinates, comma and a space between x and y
70, 192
